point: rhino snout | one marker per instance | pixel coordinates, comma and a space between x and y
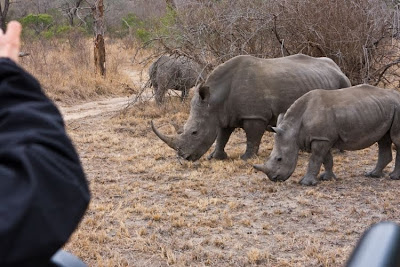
271, 175
274, 178
189, 157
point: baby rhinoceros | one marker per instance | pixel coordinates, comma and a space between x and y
173, 72
349, 119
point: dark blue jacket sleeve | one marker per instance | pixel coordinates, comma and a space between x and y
43, 190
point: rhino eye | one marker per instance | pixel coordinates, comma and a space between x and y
194, 132
279, 159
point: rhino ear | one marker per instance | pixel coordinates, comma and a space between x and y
204, 93
276, 130
280, 118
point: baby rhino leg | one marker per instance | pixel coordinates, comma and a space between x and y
319, 151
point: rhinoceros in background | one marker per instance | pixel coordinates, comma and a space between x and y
249, 93
173, 72
350, 119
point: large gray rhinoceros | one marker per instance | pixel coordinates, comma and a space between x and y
249, 93
173, 72
350, 119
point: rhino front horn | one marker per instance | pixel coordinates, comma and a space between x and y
260, 167
169, 140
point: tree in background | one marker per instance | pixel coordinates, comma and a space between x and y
3, 14
71, 10
37, 23
99, 47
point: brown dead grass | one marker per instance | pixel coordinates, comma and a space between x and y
66, 71
149, 209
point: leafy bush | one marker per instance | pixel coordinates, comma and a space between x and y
135, 27
143, 35
37, 23
165, 23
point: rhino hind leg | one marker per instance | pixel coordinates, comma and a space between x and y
319, 155
395, 175
384, 157
328, 164
222, 138
254, 131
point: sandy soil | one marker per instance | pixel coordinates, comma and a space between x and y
150, 209
94, 108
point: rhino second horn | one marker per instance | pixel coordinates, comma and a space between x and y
260, 167
169, 140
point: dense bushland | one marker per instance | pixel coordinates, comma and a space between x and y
360, 35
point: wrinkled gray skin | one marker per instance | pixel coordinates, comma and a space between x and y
173, 72
349, 119
249, 93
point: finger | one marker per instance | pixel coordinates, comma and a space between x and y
13, 32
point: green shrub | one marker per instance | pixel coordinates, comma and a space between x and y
63, 29
166, 22
132, 21
47, 34
143, 35
140, 29
38, 23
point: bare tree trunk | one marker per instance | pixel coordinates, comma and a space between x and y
99, 47
71, 12
3, 14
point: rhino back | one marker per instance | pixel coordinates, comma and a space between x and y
250, 87
174, 72
352, 118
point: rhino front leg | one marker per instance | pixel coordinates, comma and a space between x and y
319, 151
384, 157
160, 94
328, 164
222, 139
254, 131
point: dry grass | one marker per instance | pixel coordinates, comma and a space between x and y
149, 209
66, 69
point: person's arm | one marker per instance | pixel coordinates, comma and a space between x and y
43, 189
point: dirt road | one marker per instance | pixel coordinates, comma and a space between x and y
107, 106
94, 108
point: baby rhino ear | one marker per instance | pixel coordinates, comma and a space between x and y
204, 92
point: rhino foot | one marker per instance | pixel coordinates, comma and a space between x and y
394, 176
308, 180
218, 155
374, 174
325, 176
247, 156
